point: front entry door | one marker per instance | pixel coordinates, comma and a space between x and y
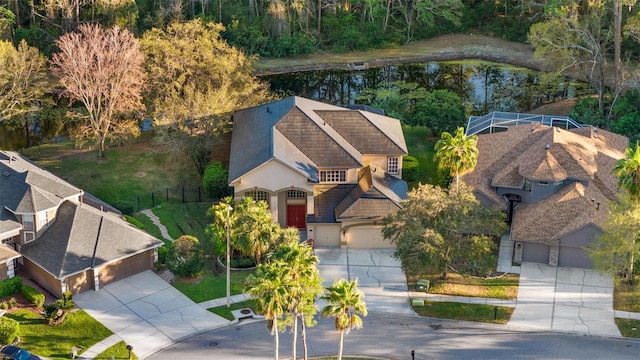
297, 216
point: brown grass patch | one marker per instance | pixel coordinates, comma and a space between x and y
626, 297
505, 287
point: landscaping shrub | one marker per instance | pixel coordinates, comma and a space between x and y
13, 303
215, 181
243, 263
9, 330
10, 286
410, 167
162, 254
185, 257
125, 207
32, 295
4, 305
133, 221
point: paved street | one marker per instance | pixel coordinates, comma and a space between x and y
394, 337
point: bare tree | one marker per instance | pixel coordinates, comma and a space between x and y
103, 70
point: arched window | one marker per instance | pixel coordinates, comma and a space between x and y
258, 195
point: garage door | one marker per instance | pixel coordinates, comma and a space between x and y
535, 253
326, 235
126, 267
367, 237
574, 257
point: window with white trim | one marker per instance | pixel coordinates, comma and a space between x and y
27, 222
392, 165
296, 194
258, 195
333, 176
29, 236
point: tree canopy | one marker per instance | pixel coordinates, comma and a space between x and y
457, 153
437, 229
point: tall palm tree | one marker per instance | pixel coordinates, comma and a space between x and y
345, 303
457, 154
254, 230
269, 288
627, 171
306, 285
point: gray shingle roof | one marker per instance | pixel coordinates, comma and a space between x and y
82, 237
26, 188
8, 222
307, 135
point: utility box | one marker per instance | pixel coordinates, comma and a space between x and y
423, 285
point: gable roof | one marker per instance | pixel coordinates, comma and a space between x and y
543, 153
82, 237
306, 135
26, 188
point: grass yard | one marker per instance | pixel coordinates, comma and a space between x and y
629, 327
121, 175
420, 144
149, 226
79, 329
505, 287
211, 285
225, 311
626, 297
184, 218
117, 351
468, 312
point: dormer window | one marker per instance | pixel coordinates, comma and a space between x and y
392, 165
333, 176
527, 185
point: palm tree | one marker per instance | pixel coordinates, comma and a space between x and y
345, 303
255, 232
458, 154
306, 284
269, 287
627, 171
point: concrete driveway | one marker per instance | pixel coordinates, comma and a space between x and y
147, 312
564, 299
379, 275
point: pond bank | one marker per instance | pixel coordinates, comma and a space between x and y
442, 48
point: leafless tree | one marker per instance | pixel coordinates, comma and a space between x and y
103, 70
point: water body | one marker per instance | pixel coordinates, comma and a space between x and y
482, 86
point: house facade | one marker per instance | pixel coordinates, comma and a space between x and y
332, 172
61, 237
554, 184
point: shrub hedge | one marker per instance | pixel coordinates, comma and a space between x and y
9, 330
410, 167
10, 286
33, 295
133, 221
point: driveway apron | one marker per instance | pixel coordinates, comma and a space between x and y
379, 274
565, 299
147, 312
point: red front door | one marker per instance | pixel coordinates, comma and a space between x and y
297, 216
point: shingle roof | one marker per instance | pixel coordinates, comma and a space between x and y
82, 237
546, 153
26, 188
8, 222
307, 135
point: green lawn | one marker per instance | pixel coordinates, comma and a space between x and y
629, 327
184, 218
225, 311
124, 173
211, 286
420, 143
118, 351
468, 312
79, 329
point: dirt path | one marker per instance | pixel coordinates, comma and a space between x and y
441, 48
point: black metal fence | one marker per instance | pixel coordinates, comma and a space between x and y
182, 194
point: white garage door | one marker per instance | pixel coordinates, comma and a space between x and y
367, 237
326, 235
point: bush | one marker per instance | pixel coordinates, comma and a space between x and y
185, 257
10, 286
9, 330
125, 207
133, 221
4, 305
243, 263
32, 295
162, 254
215, 181
410, 167
13, 303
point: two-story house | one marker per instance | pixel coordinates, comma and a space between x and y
331, 171
554, 184
61, 237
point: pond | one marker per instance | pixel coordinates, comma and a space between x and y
483, 86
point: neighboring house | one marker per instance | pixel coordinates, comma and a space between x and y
61, 238
554, 184
333, 171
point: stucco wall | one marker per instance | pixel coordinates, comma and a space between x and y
272, 176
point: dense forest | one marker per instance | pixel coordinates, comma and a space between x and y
276, 28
